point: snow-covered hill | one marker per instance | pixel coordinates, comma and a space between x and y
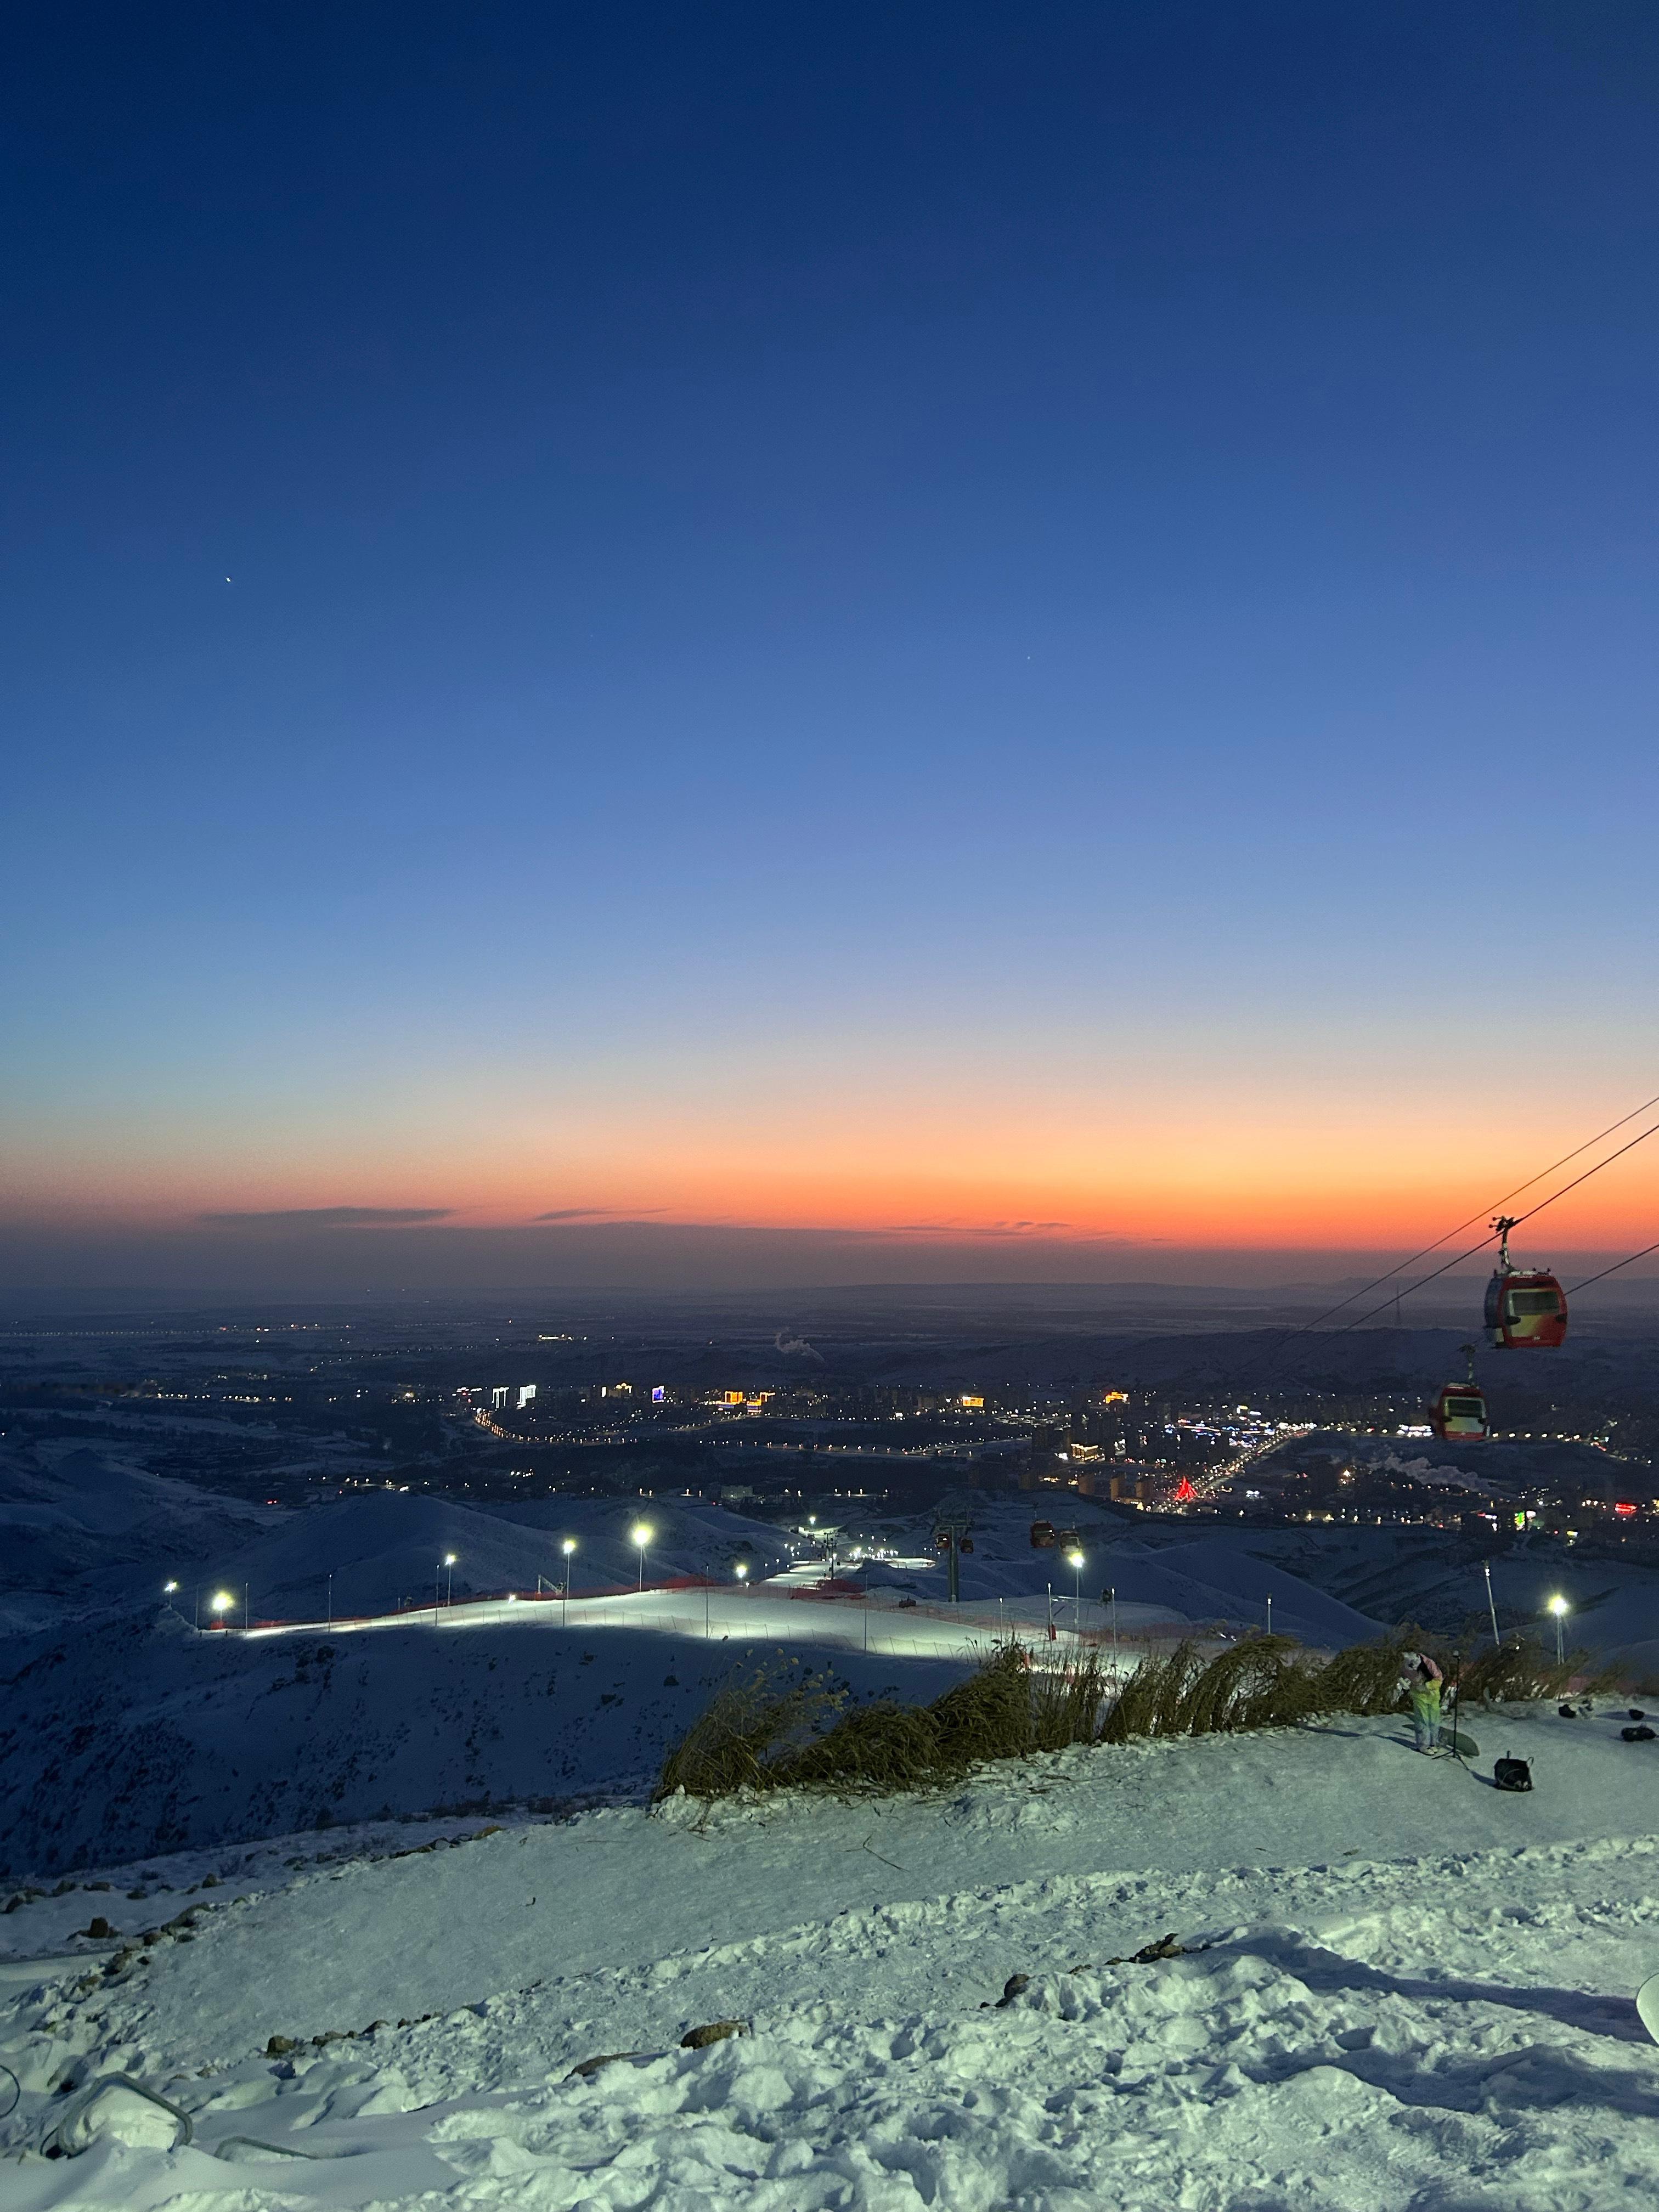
82, 1529
1399, 1989
139, 1736
386, 1547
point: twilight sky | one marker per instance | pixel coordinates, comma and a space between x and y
902, 641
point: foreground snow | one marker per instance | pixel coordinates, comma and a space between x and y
1417, 1994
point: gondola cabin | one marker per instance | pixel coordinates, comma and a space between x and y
1526, 1310
1042, 1535
1459, 1414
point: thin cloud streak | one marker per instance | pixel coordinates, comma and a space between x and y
597, 1213
329, 1217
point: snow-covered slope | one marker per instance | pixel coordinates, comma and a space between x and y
137, 1736
387, 1547
1202, 1577
1401, 1990
80, 1528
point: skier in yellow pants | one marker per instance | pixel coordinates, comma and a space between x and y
1424, 1688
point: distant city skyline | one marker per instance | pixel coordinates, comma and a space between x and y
1016, 644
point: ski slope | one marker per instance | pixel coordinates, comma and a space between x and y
1401, 1991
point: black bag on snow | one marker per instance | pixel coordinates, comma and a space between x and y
1512, 1774
1636, 1734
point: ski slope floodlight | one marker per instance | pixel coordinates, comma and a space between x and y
1074, 1559
743, 1570
568, 1545
223, 1601
449, 1558
1559, 1606
641, 1533
167, 1589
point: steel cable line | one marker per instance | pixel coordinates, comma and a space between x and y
1519, 1219
1485, 1213
1613, 1270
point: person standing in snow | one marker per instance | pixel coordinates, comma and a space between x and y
1422, 1687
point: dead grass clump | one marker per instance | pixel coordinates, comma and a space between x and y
882, 1747
766, 1731
1152, 1700
1265, 1681
1066, 1703
1516, 1672
988, 1715
750, 1715
1366, 1677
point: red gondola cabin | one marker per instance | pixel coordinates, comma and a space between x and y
1460, 1415
1526, 1307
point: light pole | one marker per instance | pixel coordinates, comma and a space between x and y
1075, 1560
449, 1586
223, 1601
1491, 1606
1559, 1608
1270, 1613
167, 1589
330, 1599
742, 1573
642, 1533
567, 1547
1111, 1598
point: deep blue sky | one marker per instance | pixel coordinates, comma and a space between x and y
820, 591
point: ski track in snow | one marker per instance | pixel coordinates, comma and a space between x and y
1437, 2017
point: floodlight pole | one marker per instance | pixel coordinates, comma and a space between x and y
1491, 1605
330, 1601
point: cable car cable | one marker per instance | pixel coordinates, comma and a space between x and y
1485, 1241
1485, 1213
1585, 1177
1613, 1270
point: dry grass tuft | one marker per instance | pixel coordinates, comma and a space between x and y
764, 1731
773, 1727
